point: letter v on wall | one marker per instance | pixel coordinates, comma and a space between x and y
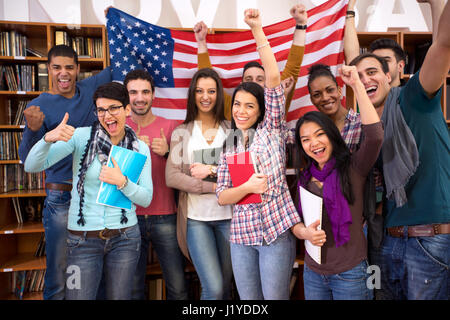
185, 12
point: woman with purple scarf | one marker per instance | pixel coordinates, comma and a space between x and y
330, 171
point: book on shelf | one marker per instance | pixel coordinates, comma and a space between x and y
20, 280
35, 53
241, 167
12, 43
42, 77
20, 77
86, 47
131, 164
27, 281
28, 209
13, 177
9, 145
40, 249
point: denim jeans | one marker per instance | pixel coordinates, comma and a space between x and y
161, 231
264, 272
348, 285
209, 248
54, 219
416, 268
88, 259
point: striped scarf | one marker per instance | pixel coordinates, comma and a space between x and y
99, 144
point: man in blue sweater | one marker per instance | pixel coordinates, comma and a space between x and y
43, 114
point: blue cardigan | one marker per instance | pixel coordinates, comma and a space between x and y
97, 216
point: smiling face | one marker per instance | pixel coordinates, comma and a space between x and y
141, 96
63, 71
395, 67
325, 95
245, 110
374, 80
315, 143
113, 124
206, 95
254, 74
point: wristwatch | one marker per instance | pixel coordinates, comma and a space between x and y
301, 26
212, 170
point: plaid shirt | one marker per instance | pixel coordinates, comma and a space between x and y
351, 132
253, 223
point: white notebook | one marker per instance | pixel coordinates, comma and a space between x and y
312, 211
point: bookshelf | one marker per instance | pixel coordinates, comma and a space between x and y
415, 45
19, 241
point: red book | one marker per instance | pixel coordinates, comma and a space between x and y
241, 169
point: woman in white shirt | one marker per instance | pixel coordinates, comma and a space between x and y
203, 227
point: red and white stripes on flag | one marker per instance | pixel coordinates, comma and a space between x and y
229, 52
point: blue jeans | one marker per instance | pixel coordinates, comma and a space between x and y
88, 259
209, 248
264, 272
161, 230
416, 268
348, 285
54, 219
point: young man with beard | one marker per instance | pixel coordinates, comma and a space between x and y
415, 252
42, 115
158, 221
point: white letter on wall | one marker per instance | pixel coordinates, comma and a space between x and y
63, 11
241, 5
150, 10
15, 10
383, 17
185, 12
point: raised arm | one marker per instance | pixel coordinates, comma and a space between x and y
253, 19
350, 77
351, 43
437, 61
436, 7
292, 68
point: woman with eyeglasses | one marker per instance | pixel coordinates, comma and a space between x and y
102, 240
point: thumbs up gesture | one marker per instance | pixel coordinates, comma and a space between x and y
159, 145
63, 132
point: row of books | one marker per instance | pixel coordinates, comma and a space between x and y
9, 144
13, 177
15, 111
84, 46
12, 44
28, 209
27, 281
18, 77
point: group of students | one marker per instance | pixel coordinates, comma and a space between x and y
396, 149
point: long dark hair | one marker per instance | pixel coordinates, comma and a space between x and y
258, 92
340, 151
192, 110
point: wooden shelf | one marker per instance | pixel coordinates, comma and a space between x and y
27, 227
21, 59
28, 296
4, 127
23, 262
21, 93
10, 162
155, 269
23, 193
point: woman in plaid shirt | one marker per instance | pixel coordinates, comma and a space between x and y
262, 246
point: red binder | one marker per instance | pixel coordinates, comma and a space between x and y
241, 169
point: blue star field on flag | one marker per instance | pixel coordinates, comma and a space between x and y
136, 44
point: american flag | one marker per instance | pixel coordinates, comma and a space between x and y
171, 55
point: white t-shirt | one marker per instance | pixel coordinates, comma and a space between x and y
204, 207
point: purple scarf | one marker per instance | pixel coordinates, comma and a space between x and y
334, 201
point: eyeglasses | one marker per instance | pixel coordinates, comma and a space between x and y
113, 110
